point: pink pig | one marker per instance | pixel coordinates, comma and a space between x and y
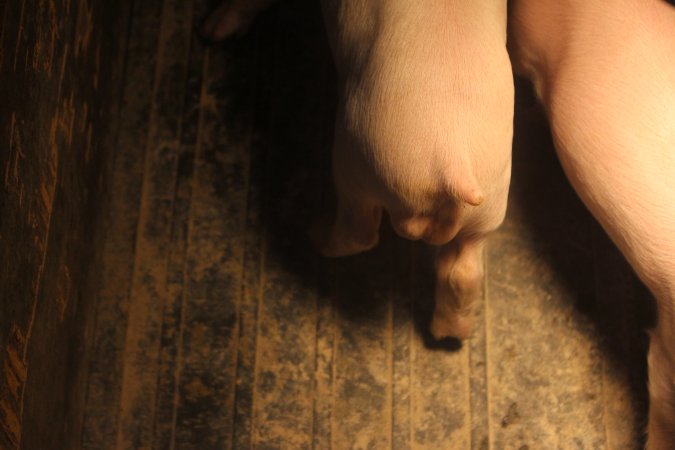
605, 72
423, 131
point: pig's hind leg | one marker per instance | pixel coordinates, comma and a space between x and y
354, 228
231, 17
459, 275
661, 432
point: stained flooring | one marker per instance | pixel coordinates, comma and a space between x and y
219, 327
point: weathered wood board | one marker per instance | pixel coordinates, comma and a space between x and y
61, 74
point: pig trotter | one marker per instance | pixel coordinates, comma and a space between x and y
231, 18
459, 272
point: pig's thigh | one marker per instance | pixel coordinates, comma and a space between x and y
618, 150
614, 133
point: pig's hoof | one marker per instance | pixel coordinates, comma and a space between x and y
458, 326
448, 344
332, 244
223, 23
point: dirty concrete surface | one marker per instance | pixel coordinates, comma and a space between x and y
219, 326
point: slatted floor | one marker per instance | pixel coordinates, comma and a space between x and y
219, 327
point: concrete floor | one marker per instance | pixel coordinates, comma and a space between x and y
219, 326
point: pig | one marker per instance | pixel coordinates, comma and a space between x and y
605, 73
423, 131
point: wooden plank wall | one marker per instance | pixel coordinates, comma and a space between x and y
61, 69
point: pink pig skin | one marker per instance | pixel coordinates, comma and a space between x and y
605, 72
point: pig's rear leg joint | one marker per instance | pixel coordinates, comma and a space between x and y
355, 228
